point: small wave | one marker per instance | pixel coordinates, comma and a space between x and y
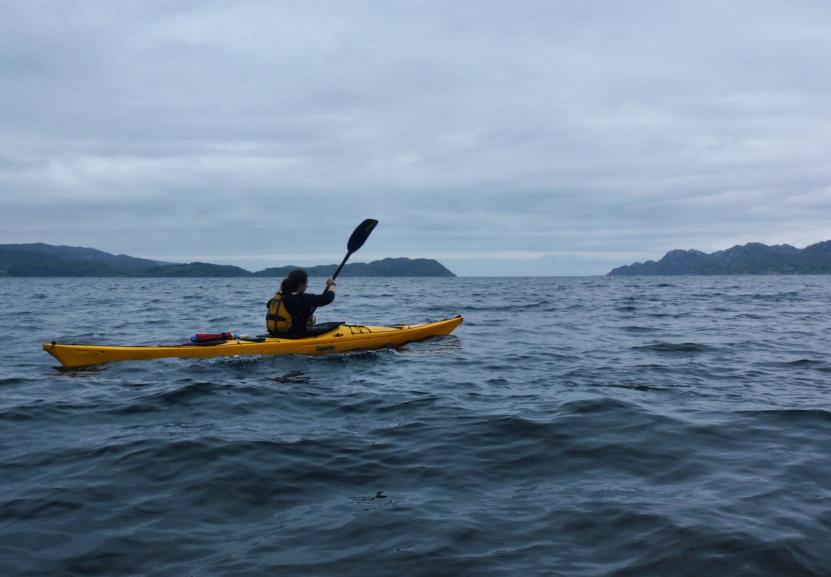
638, 329
667, 315
803, 363
292, 377
663, 347
351, 357
711, 548
467, 308
161, 400
777, 297
636, 387
27, 509
820, 416
189, 391
54, 410
799, 364
499, 306
597, 406
410, 406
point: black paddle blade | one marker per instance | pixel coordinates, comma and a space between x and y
360, 235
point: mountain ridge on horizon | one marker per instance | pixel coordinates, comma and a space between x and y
750, 258
41, 259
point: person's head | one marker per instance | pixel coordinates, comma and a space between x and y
296, 282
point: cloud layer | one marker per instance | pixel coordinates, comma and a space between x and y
503, 138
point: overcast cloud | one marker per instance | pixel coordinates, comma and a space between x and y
537, 137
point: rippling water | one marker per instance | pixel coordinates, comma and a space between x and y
571, 426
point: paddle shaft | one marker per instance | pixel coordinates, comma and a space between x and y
343, 262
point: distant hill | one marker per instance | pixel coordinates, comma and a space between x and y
751, 258
196, 269
385, 267
39, 259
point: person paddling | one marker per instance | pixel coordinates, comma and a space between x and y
291, 311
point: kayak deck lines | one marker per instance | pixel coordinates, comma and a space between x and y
343, 338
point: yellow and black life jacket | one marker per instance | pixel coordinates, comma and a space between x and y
278, 319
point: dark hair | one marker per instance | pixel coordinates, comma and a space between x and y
296, 278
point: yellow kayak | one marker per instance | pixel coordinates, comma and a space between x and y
341, 339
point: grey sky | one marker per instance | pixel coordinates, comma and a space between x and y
549, 137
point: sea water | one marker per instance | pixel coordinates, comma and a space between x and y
571, 426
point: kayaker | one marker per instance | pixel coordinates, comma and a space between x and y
291, 311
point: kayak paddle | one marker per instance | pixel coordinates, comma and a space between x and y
356, 241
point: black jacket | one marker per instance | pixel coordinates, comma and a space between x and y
301, 307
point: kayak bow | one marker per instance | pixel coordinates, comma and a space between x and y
341, 339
